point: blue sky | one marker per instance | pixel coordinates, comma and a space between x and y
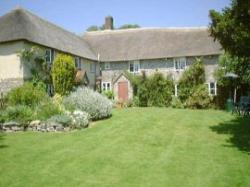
77, 15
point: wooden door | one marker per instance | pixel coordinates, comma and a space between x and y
123, 91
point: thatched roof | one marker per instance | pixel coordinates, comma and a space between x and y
151, 43
21, 24
111, 45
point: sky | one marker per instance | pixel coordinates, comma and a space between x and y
77, 15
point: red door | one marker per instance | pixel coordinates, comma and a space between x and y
123, 91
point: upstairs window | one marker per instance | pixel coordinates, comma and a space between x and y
107, 65
78, 63
48, 56
106, 86
134, 66
212, 88
180, 63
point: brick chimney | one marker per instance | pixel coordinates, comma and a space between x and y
109, 23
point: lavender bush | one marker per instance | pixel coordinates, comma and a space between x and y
87, 100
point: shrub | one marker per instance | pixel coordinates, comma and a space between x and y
193, 76
160, 90
200, 99
87, 100
63, 74
176, 102
19, 113
63, 119
46, 110
79, 119
109, 94
27, 94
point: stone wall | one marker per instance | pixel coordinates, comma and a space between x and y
8, 84
164, 66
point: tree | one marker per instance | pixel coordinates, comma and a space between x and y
63, 74
232, 28
129, 26
232, 64
93, 28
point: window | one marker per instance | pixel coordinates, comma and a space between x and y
134, 66
107, 65
78, 63
48, 56
106, 86
92, 68
180, 63
212, 88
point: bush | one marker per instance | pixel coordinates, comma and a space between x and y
79, 119
19, 113
176, 102
192, 77
85, 99
200, 99
63, 74
160, 90
27, 94
62, 119
109, 94
46, 110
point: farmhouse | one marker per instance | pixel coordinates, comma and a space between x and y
104, 56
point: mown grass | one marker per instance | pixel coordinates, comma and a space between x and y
136, 147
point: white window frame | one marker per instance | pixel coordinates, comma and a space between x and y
136, 62
176, 90
105, 86
50, 56
78, 63
215, 88
106, 65
178, 61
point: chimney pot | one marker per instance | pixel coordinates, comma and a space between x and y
109, 23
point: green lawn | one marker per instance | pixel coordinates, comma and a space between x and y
136, 147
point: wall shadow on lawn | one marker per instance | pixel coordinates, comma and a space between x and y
1, 141
239, 131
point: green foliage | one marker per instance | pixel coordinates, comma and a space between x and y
47, 109
34, 59
153, 91
109, 94
231, 28
239, 66
93, 28
63, 74
129, 26
176, 103
200, 99
160, 90
19, 113
27, 94
191, 77
62, 119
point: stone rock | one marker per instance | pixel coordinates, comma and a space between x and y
35, 123
17, 128
11, 124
